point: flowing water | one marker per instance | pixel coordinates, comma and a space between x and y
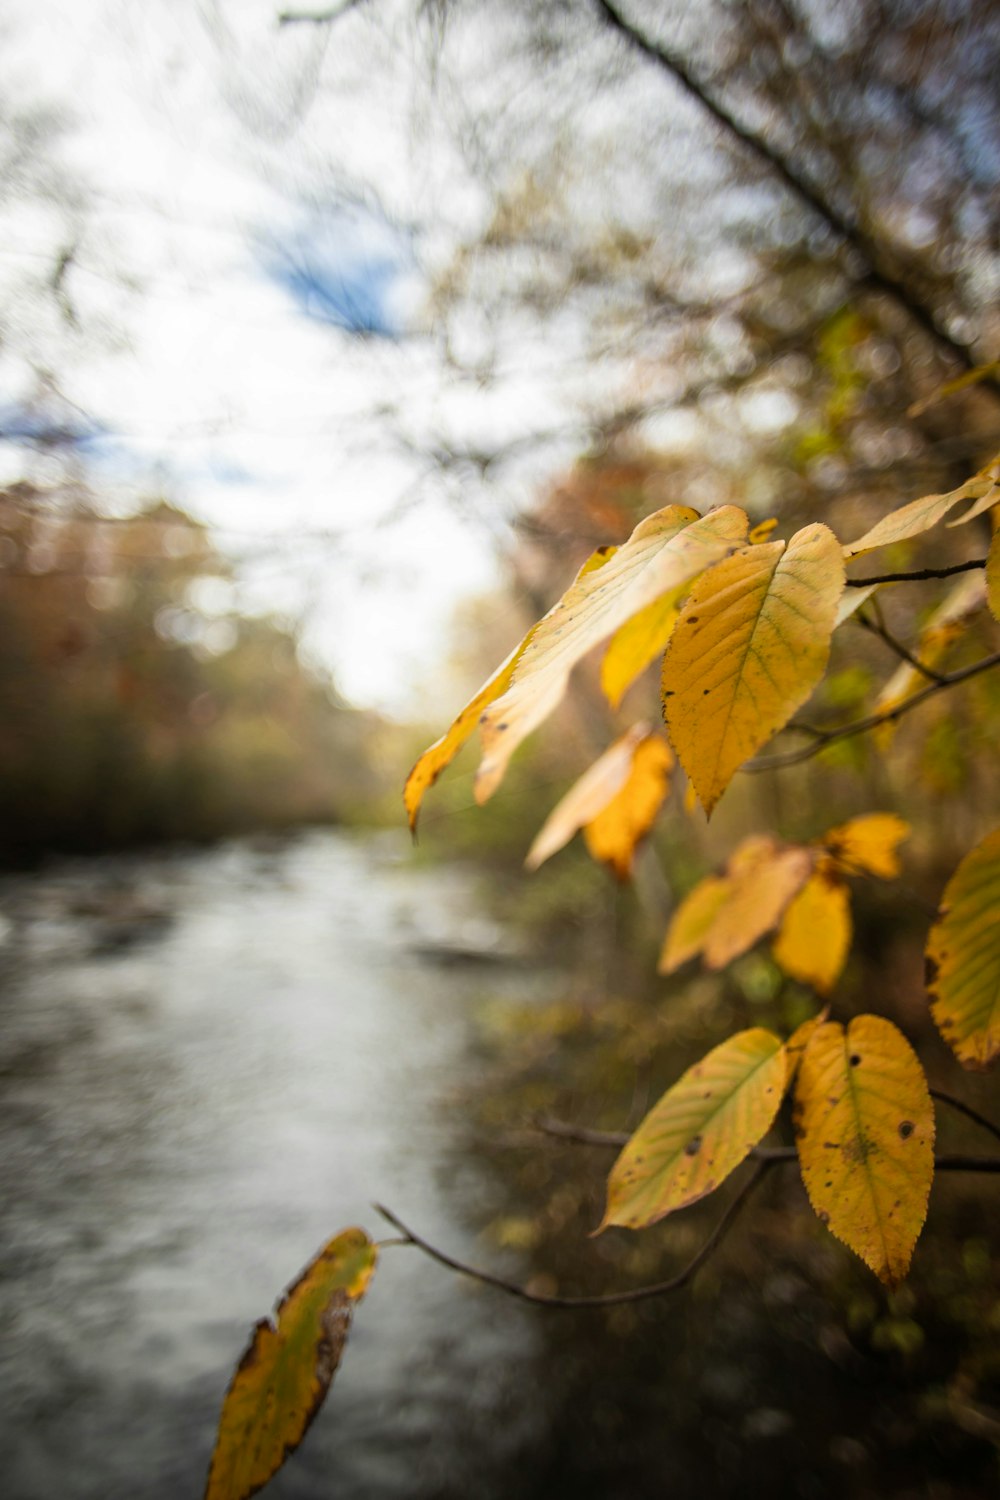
210, 1063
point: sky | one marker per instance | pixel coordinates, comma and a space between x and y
243, 310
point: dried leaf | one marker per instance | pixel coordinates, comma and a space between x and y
751, 643
814, 938
285, 1372
945, 626
723, 916
614, 835
440, 755
635, 646
963, 958
920, 515
867, 845
993, 576
692, 921
764, 876
865, 1129
699, 1131
661, 557
615, 801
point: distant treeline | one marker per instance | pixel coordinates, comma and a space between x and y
136, 705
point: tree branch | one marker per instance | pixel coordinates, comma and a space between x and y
846, 227
317, 17
967, 1110
879, 628
861, 726
919, 575
771, 1156
608, 1299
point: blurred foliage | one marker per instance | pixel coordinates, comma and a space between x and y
138, 705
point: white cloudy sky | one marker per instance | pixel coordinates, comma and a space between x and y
210, 150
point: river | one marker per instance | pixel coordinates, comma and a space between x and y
211, 1062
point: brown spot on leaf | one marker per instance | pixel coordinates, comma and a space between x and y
854, 1059
906, 1129
693, 1146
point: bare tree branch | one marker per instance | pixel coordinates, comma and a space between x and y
967, 1110
879, 628
608, 1299
872, 721
846, 227
317, 17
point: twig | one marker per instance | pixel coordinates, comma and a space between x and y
879, 628
607, 1299
919, 575
861, 726
772, 1156
968, 1111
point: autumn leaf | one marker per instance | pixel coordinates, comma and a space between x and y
851, 601
613, 836
700, 1130
865, 1129
920, 515
867, 844
751, 643
814, 938
993, 576
963, 958
286, 1370
723, 917
798, 1042
440, 755
661, 557
635, 646
945, 626
615, 801
692, 922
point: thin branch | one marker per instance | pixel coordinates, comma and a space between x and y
771, 1156
918, 575
968, 1111
608, 1299
879, 628
846, 227
317, 17
861, 726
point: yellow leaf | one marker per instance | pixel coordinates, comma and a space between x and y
662, 555
286, 1370
865, 1129
963, 958
751, 643
692, 921
763, 877
851, 601
619, 796
799, 1041
945, 626
993, 576
814, 938
441, 754
951, 387
638, 643
613, 836
867, 845
762, 531
920, 515
987, 500
723, 916
699, 1131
